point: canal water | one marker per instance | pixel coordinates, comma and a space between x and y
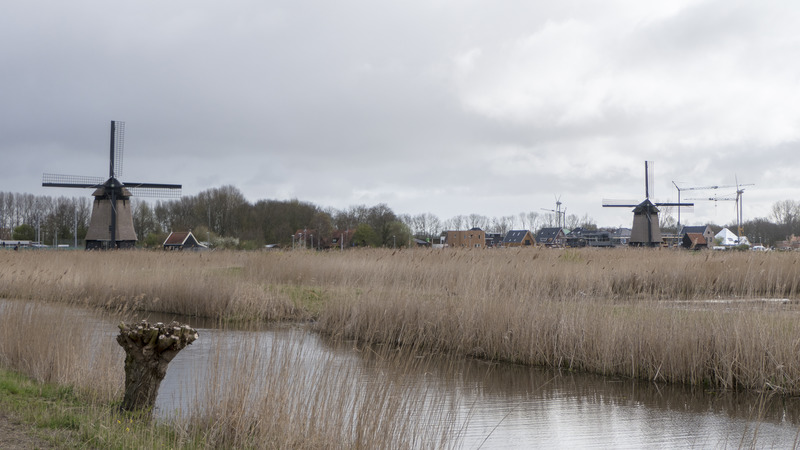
512, 406
488, 405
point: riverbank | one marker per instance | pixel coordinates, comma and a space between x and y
48, 415
246, 393
638, 313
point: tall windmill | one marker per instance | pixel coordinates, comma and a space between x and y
645, 230
111, 225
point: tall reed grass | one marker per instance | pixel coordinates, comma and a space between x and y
45, 343
287, 397
249, 395
640, 313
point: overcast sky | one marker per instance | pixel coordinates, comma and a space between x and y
430, 106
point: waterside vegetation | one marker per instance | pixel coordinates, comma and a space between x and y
723, 320
250, 395
708, 318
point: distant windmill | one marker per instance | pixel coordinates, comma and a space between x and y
645, 230
559, 214
111, 225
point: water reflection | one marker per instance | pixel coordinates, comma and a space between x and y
518, 406
500, 405
511, 406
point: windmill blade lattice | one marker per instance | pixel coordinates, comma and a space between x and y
119, 144
154, 192
60, 180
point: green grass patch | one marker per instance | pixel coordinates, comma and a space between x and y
57, 415
310, 299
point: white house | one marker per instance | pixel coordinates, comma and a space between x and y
727, 237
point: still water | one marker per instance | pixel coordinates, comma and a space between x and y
511, 406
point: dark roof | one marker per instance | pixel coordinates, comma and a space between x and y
697, 238
177, 237
182, 239
645, 206
547, 234
694, 229
580, 231
515, 236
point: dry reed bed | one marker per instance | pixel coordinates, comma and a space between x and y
48, 345
283, 401
252, 395
599, 310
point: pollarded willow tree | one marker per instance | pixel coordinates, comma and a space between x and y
148, 351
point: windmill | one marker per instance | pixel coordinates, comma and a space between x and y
111, 224
645, 230
559, 214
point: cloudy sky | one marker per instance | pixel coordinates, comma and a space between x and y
430, 106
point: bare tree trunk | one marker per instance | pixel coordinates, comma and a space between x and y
148, 351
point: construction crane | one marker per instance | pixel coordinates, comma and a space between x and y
737, 197
701, 188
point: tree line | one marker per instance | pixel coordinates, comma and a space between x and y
224, 217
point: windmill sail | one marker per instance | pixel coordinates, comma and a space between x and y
117, 146
57, 180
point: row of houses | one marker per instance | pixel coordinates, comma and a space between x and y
697, 237
547, 237
691, 237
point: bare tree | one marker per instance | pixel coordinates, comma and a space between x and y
478, 221
588, 223
456, 223
666, 220
550, 219
786, 214
533, 221
572, 221
423, 226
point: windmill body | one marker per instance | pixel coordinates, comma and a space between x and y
99, 234
111, 224
645, 231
